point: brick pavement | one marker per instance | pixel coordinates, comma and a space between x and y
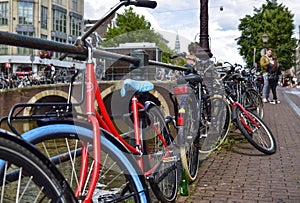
240, 173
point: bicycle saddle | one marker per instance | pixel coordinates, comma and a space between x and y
134, 85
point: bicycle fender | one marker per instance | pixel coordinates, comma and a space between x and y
148, 104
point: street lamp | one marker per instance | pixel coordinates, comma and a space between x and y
265, 39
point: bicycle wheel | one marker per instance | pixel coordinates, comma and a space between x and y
259, 136
28, 176
120, 179
216, 119
252, 101
189, 135
158, 154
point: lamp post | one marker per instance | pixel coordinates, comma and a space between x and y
204, 37
265, 39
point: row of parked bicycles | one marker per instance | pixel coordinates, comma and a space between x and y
85, 152
62, 75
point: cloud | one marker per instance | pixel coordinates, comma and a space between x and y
182, 17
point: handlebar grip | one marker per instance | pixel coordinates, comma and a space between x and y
145, 3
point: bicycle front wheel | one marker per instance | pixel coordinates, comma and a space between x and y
189, 137
28, 176
252, 101
216, 119
120, 179
258, 135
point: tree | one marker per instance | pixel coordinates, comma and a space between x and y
275, 20
131, 27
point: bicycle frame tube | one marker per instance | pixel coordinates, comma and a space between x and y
247, 114
90, 92
135, 105
107, 124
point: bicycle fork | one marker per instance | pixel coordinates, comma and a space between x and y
90, 92
235, 116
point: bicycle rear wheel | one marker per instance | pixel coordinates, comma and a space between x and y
259, 136
216, 119
28, 176
158, 154
120, 179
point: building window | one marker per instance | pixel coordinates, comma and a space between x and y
44, 17
3, 49
25, 51
59, 2
25, 11
75, 5
44, 37
3, 13
75, 26
59, 21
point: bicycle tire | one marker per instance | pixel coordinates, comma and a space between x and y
252, 101
189, 136
163, 180
120, 176
260, 137
24, 170
216, 116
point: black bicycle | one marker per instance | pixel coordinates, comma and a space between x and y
26, 175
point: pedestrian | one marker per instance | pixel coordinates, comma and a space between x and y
53, 72
47, 71
73, 69
273, 77
265, 62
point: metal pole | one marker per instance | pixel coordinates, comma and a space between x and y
204, 37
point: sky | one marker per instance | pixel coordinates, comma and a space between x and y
172, 17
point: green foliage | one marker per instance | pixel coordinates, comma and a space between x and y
275, 20
131, 27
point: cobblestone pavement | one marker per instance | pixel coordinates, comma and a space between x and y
240, 173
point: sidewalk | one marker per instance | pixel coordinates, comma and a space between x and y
239, 173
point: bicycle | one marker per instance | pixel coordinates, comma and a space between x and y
244, 93
202, 117
162, 174
26, 175
250, 124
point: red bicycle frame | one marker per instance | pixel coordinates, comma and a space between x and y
247, 114
103, 120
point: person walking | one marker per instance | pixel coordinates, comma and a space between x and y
265, 62
273, 77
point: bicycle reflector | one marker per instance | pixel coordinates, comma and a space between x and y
182, 89
180, 117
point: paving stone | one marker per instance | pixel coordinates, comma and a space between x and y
241, 174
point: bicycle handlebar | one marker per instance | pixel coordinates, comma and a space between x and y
41, 44
144, 3
170, 66
79, 51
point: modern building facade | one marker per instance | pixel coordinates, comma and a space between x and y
58, 20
